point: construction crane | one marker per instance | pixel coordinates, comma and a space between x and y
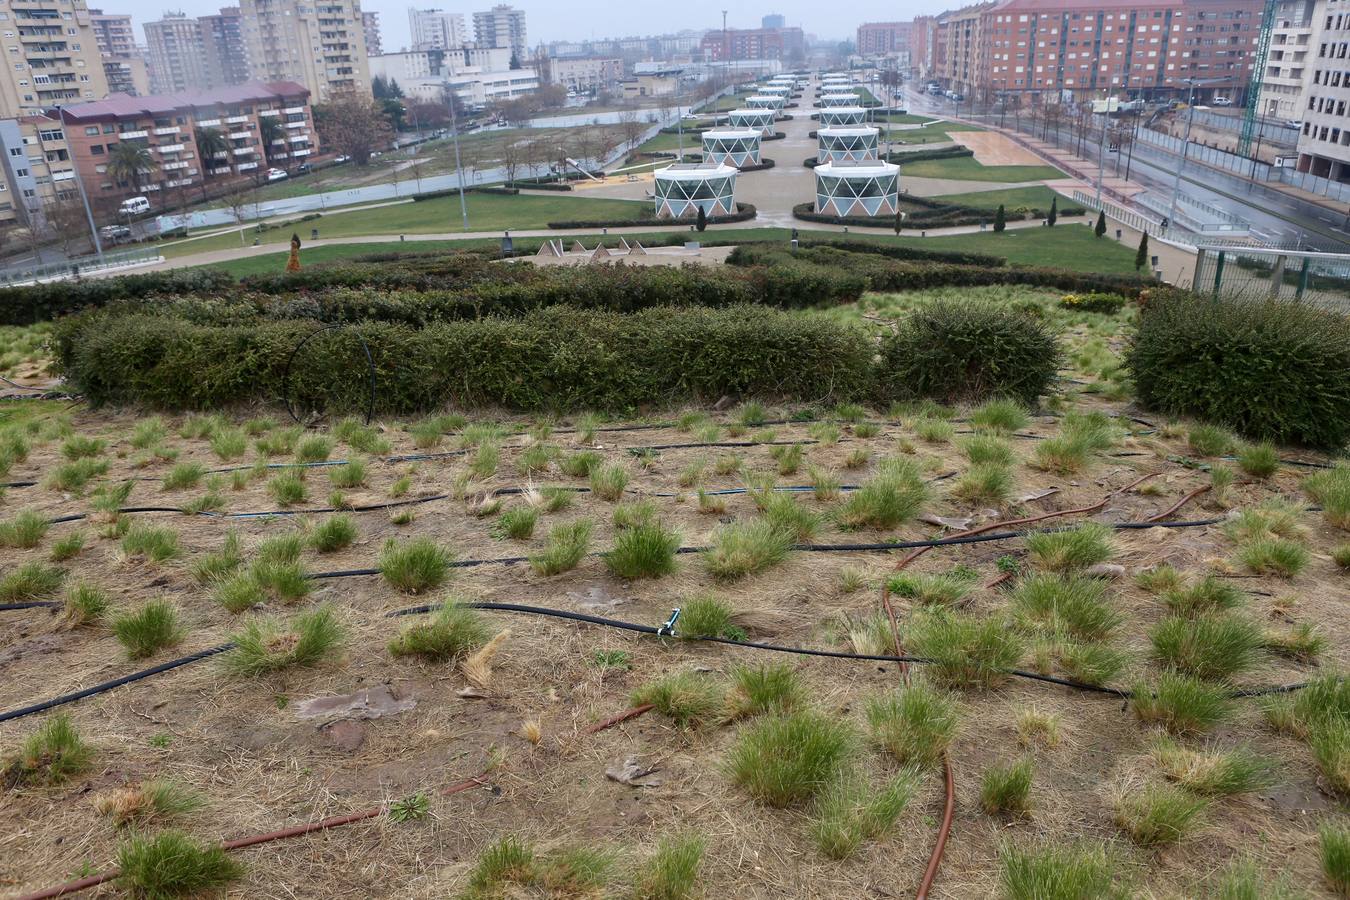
1250, 116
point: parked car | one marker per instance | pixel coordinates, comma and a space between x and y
134, 206
277, 175
304, 169
114, 234
1294, 125
1221, 101
337, 160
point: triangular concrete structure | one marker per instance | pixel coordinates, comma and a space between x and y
638, 249
547, 249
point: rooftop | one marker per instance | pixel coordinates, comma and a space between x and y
117, 106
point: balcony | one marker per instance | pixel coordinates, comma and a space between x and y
173, 165
133, 135
207, 123
170, 148
244, 167
269, 112
219, 170
236, 120
297, 124
305, 152
172, 129
243, 151
291, 110
299, 139
240, 135
67, 175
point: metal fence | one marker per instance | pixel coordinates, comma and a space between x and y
78, 266
1128, 217
1320, 278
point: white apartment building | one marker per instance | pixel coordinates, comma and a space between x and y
501, 26
1293, 46
317, 43
52, 55
436, 29
1324, 142
589, 73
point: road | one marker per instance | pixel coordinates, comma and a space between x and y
1275, 216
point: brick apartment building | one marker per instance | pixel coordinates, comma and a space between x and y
261, 126
752, 43
883, 38
1139, 48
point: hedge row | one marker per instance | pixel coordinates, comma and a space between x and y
886, 274
744, 213
934, 215
1266, 368
937, 153
523, 289
42, 302
554, 359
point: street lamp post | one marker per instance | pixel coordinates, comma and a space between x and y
453, 100
1186, 141
79, 185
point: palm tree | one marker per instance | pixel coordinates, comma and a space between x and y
210, 141
271, 130
130, 161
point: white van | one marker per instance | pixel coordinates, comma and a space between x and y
134, 206
1221, 101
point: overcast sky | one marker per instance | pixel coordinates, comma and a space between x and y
578, 19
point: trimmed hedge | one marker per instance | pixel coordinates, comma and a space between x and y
554, 359
42, 302
454, 192
953, 351
933, 215
936, 153
884, 273
1266, 368
744, 213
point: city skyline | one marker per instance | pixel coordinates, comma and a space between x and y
550, 22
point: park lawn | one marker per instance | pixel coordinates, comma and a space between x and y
902, 118
1067, 246
487, 212
937, 133
967, 168
670, 143
1037, 197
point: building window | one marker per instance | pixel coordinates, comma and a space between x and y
96, 150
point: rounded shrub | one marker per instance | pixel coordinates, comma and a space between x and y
1267, 369
953, 351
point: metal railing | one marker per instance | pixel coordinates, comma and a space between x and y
77, 267
1294, 275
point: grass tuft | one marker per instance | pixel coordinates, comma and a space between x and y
288, 488
1073, 548
746, 548
1208, 595
989, 484
944, 589
850, 811
608, 482
785, 514
672, 871
1060, 872
893, 497
1212, 647
415, 566
982, 449
1181, 704
1259, 460
333, 534
25, 531
1036, 727
1214, 772
312, 449
1006, 789
1274, 556
765, 688
999, 416
53, 753
1331, 489
567, 545
171, 864
646, 550
965, 651
266, 645
149, 629
1066, 604
1209, 440
183, 476
156, 800
915, 724
1157, 815
708, 616
1334, 850
689, 699
787, 759
31, 581
450, 634
85, 604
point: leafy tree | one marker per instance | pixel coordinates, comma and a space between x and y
129, 162
1000, 219
1141, 257
1100, 230
270, 132
899, 220
702, 222
385, 88
354, 126
1054, 212
515, 60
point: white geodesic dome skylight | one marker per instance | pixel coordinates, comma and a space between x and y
737, 147
847, 144
682, 189
869, 188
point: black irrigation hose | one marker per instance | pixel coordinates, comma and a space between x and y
638, 451
106, 686
822, 548
31, 604
286, 372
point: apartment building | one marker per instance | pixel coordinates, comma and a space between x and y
317, 43
370, 27
222, 36
752, 43
1324, 142
37, 173
177, 54
123, 62
921, 40
247, 128
883, 38
1293, 47
52, 53
501, 26
1138, 48
587, 73
436, 29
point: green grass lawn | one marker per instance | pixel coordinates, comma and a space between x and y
902, 118
487, 212
937, 133
966, 168
669, 143
1066, 246
1037, 197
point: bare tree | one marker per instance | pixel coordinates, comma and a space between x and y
513, 156
538, 153
236, 199
353, 125
66, 216
583, 145
632, 128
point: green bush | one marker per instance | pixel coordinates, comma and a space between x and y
42, 302
1279, 371
952, 351
551, 359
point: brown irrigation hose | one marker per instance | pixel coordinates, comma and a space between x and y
895, 630
621, 717
915, 554
935, 859
1179, 504
84, 884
